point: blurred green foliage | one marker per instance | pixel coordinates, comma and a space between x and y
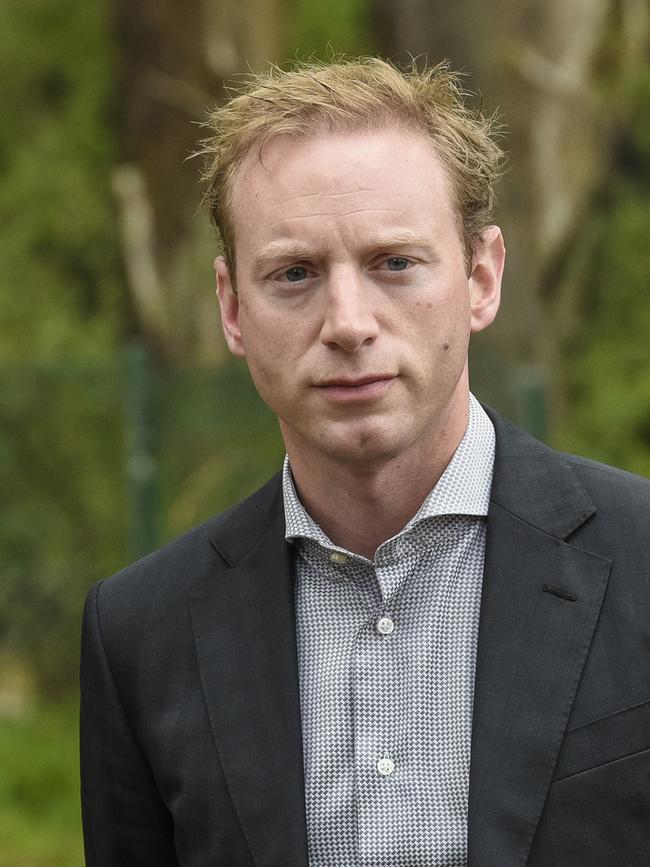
60, 291
65, 458
64, 437
606, 368
40, 823
321, 29
61, 480
216, 440
59, 268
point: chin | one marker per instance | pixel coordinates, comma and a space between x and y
364, 446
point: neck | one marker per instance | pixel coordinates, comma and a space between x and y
360, 506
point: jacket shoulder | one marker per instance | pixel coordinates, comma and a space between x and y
197, 554
622, 501
610, 481
568, 496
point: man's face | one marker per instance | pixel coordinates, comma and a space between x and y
354, 306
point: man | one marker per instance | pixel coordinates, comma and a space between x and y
425, 642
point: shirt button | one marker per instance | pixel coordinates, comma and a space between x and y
338, 557
385, 625
385, 767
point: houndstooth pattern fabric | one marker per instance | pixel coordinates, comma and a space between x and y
387, 653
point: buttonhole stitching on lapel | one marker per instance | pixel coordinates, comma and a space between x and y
557, 591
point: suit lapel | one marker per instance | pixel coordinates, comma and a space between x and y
541, 600
244, 631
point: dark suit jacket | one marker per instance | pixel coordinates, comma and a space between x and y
191, 744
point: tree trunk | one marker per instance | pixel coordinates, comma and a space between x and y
173, 57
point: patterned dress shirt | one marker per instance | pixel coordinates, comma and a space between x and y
387, 652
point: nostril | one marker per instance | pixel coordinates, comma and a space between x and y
349, 328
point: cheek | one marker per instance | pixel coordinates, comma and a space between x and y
268, 383
257, 338
265, 327
269, 350
439, 348
442, 330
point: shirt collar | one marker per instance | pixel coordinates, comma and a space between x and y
463, 488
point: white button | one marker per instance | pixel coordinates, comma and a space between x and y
338, 557
385, 625
385, 767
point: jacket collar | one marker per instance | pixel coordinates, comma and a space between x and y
536, 483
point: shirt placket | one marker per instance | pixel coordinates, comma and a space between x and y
381, 771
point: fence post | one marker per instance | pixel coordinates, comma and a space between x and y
530, 399
142, 467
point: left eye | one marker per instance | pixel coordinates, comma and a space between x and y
397, 263
295, 274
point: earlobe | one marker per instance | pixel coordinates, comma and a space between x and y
485, 279
229, 306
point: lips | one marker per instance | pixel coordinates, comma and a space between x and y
367, 387
355, 382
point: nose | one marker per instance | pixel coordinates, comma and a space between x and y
349, 320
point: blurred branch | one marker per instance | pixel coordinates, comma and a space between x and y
175, 93
564, 80
568, 73
635, 30
137, 232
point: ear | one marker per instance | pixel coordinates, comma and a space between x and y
485, 279
229, 306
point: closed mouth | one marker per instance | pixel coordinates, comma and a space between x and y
346, 382
360, 389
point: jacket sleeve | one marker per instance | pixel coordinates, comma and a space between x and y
125, 821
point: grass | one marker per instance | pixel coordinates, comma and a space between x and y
40, 824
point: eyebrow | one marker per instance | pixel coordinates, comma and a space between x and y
283, 250
398, 239
279, 251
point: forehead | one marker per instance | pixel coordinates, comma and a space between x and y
350, 179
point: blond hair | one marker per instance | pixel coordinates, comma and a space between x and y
365, 93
